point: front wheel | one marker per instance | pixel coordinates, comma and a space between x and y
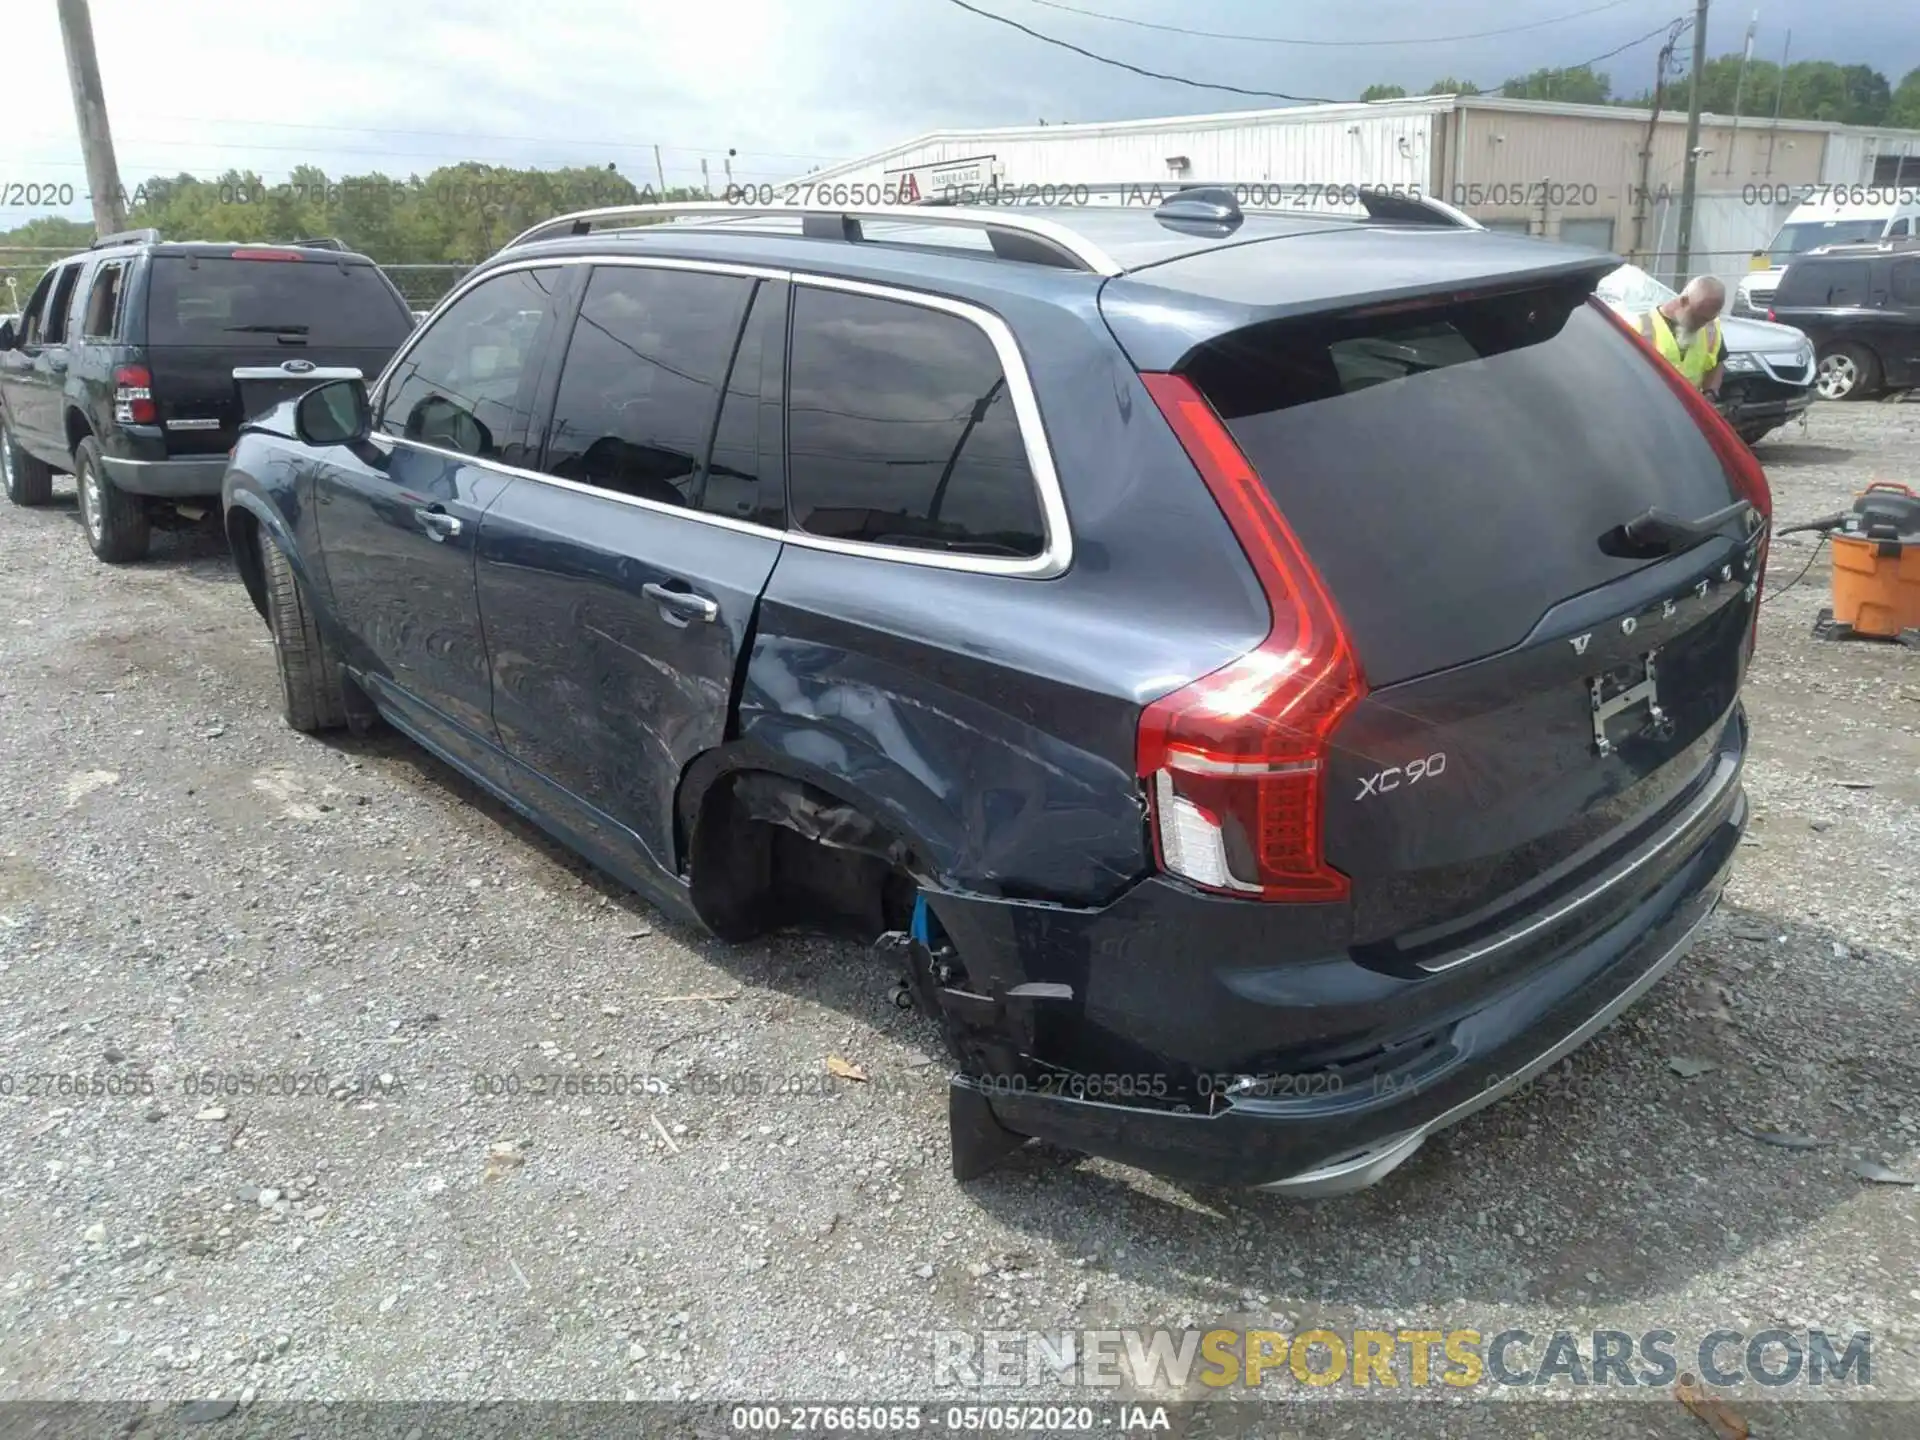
1847, 372
29, 481
117, 525
310, 682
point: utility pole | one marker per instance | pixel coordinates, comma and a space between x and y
1644, 201
90, 110
1779, 93
1739, 88
1690, 184
660, 170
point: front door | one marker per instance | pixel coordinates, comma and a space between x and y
618, 595
35, 386
399, 515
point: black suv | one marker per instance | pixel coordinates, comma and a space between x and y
122, 368
1238, 664
1860, 305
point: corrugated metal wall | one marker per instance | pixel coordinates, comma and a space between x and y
1357, 145
1510, 167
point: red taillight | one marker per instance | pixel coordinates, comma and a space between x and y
133, 396
266, 255
1235, 762
1736, 457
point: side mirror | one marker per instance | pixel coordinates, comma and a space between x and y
8, 340
337, 413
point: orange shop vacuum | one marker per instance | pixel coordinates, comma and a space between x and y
1876, 566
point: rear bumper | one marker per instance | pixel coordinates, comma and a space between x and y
194, 478
1465, 1040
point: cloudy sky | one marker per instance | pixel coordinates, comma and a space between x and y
404, 85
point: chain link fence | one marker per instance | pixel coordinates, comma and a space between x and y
21, 267
425, 285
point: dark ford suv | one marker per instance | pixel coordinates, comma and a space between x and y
122, 367
1860, 304
1268, 700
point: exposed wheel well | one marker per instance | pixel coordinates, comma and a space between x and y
243, 538
77, 429
768, 850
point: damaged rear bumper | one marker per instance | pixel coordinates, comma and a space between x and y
1166, 994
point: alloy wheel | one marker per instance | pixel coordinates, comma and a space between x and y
92, 502
6, 457
1838, 375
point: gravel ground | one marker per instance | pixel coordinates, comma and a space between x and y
187, 887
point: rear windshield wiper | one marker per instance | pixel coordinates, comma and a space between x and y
268, 329
1656, 532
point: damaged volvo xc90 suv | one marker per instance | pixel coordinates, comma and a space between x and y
1237, 662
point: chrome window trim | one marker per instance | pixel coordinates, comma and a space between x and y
1056, 553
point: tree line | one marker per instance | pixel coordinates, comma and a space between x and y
1804, 90
458, 214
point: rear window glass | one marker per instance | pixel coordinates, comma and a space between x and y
1451, 471
1824, 282
250, 302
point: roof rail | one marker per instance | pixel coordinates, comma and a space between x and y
1013, 236
148, 236
1214, 202
322, 242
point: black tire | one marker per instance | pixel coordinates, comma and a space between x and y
29, 481
1847, 372
115, 522
310, 681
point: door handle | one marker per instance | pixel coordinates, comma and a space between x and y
684, 603
438, 523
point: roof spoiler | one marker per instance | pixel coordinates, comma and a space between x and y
148, 236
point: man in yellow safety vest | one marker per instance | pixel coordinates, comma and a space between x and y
1686, 332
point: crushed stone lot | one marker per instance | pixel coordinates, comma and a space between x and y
193, 893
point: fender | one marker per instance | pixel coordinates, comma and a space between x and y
242, 493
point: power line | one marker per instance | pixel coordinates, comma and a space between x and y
1660, 29
1137, 70
1329, 44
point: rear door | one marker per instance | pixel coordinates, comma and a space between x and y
399, 516
256, 307
1899, 325
1458, 473
619, 593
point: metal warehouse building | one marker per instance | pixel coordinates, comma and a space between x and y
1572, 172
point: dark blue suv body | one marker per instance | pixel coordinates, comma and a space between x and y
1271, 680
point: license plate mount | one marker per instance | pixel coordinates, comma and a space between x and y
1619, 691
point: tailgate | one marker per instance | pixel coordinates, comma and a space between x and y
208, 316
1543, 695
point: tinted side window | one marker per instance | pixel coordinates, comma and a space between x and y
900, 430
103, 302
61, 304
744, 476
32, 317
465, 385
642, 381
1825, 282
1906, 282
